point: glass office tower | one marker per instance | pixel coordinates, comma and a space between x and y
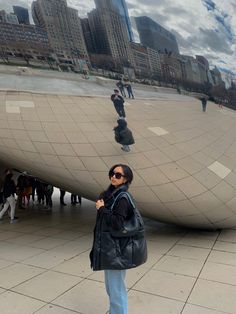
123, 11
22, 14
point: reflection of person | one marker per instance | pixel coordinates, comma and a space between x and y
115, 255
129, 90
123, 135
121, 87
48, 195
73, 199
118, 102
9, 190
85, 74
62, 194
204, 103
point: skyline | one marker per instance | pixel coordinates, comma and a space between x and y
202, 27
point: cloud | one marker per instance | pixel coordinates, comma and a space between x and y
206, 27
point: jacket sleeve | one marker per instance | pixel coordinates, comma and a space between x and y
119, 214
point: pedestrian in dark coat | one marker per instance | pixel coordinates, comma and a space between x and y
118, 102
123, 135
129, 90
9, 190
204, 103
121, 87
111, 254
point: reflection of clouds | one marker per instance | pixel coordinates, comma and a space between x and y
200, 27
204, 27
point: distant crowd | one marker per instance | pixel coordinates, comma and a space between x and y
26, 190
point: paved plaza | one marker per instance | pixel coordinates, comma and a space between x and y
44, 267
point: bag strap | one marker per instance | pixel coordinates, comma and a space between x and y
127, 196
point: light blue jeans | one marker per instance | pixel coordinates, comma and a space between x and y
116, 290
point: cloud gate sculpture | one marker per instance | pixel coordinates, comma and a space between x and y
183, 159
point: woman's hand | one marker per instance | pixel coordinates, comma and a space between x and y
99, 204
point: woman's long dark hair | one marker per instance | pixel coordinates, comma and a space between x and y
128, 173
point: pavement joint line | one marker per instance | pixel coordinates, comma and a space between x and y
198, 277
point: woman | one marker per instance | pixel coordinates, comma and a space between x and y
116, 254
123, 135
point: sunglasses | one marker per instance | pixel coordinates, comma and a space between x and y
117, 175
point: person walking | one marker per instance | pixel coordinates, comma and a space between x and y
204, 103
118, 102
123, 135
9, 190
113, 254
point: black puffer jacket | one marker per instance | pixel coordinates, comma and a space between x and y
109, 252
124, 136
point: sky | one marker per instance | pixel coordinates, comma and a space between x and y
201, 27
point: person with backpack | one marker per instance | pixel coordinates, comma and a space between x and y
123, 135
115, 249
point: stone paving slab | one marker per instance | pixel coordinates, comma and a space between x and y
44, 267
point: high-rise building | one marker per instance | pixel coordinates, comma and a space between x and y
123, 11
88, 35
155, 36
22, 14
8, 17
141, 60
21, 40
110, 32
63, 26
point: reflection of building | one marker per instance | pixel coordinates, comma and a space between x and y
63, 26
191, 71
203, 65
110, 32
171, 66
88, 35
24, 41
154, 61
123, 11
147, 61
216, 76
22, 14
141, 60
8, 17
155, 36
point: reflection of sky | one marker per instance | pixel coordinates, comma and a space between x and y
210, 5
186, 19
220, 17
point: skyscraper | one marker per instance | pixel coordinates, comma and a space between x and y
110, 32
155, 36
123, 11
120, 7
22, 14
63, 26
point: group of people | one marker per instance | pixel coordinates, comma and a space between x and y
123, 135
19, 194
125, 85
